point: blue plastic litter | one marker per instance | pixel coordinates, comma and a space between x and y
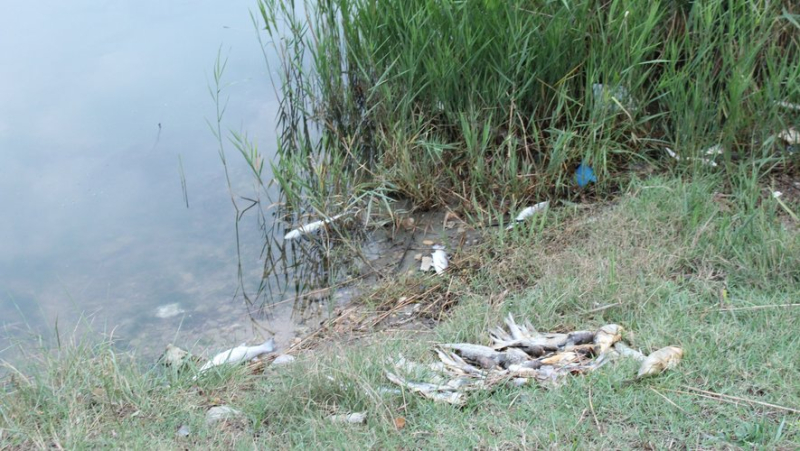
584, 175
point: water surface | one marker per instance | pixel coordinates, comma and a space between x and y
98, 99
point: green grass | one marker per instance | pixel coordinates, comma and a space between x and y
487, 104
660, 252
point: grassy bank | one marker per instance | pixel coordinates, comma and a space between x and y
482, 107
657, 259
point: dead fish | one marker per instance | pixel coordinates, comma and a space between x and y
528, 212
562, 358
239, 354
439, 257
626, 351
606, 336
310, 227
474, 352
437, 393
580, 337
658, 361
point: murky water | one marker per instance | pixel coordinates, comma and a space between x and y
100, 105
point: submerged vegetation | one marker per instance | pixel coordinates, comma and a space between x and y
484, 107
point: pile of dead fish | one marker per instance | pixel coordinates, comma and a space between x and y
518, 355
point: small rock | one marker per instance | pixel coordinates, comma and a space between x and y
283, 359
427, 264
174, 356
221, 413
183, 431
351, 418
418, 257
427, 242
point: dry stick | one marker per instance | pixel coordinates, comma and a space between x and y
604, 307
669, 400
758, 307
591, 407
731, 399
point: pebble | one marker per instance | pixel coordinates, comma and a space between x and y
427, 242
183, 431
221, 413
352, 418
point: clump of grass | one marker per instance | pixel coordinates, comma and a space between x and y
492, 102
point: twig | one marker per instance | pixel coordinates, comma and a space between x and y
594, 415
758, 307
669, 401
601, 308
731, 399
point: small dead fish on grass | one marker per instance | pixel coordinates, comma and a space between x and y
436, 393
659, 361
606, 336
238, 354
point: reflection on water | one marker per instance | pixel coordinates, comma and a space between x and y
98, 101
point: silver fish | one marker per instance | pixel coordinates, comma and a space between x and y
239, 354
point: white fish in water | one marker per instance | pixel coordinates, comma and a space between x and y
439, 257
239, 354
310, 227
528, 212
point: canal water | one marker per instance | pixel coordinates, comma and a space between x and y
104, 111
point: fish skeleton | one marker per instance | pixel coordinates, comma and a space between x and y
239, 354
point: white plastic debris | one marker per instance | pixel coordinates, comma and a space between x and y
777, 194
528, 212
310, 227
788, 105
704, 161
715, 150
439, 257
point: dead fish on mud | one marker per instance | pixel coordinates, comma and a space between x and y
238, 354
